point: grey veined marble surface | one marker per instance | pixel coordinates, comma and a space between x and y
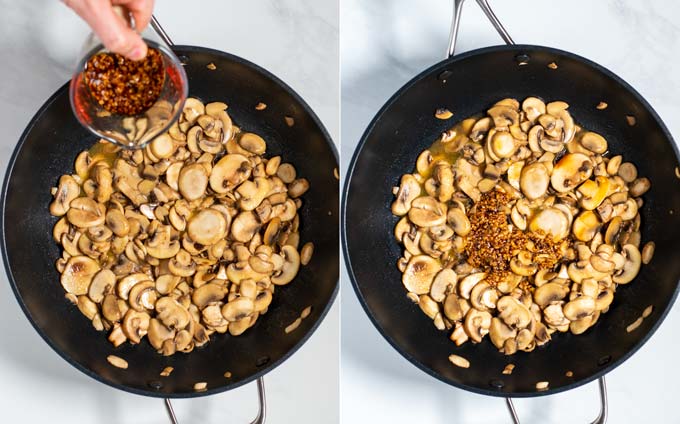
297, 40
384, 43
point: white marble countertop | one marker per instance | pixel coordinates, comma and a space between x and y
384, 43
39, 40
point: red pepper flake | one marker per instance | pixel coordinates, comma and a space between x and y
124, 86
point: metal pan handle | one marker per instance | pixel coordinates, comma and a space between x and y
455, 24
261, 412
160, 31
601, 418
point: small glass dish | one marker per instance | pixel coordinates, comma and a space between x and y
136, 131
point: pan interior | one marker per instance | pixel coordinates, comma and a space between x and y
48, 149
467, 85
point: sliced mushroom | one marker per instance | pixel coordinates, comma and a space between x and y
550, 221
513, 312
409, 190
85, 212
229, 172
586, 225
477, 324
171, 313
570, 171
533, 107
238, 309
78, 274
244, 226
253, 193
443, 284
253, 143
102, 284
420, 273
207, 227
534, 180
579, 308
142, 296
67, 191
427, 212
593, 193
135, 325
208, 294
549, 293
290, 267
631, 266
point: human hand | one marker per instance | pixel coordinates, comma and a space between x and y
113, 29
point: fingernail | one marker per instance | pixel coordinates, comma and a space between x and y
138, 53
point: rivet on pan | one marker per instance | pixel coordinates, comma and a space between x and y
155, 384
522, 59
183, 59
444, 75
496, 384
262, 361
604, 360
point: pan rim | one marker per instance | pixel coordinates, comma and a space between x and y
433, 70
179, 50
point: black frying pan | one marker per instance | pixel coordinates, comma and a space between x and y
469, 84
47, 149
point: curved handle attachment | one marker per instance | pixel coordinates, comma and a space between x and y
455, 24
261, 412
601, 418
160, 31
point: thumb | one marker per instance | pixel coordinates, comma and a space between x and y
115, 33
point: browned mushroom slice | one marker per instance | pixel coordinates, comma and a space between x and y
78, 274
193, 180
419, 274
102, 284
513, 312
477, 324
126, 284
499, 332
579, 308
533, 107
504, 116
229, 172
68, 190
570, 171
244, 226
208, 294
253, 143
534, 180
142, 296
593, 192
290, 267
135, 325
409, 190
238, 309
159, 333
427, 212
631, 266
586, 225
550, 221
253, 193
207, 227
85, 212
171, 313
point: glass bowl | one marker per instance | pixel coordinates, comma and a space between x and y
136, 131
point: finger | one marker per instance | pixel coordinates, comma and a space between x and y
141, 11
114, 32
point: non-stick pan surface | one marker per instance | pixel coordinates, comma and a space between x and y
468, 84
48, 149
